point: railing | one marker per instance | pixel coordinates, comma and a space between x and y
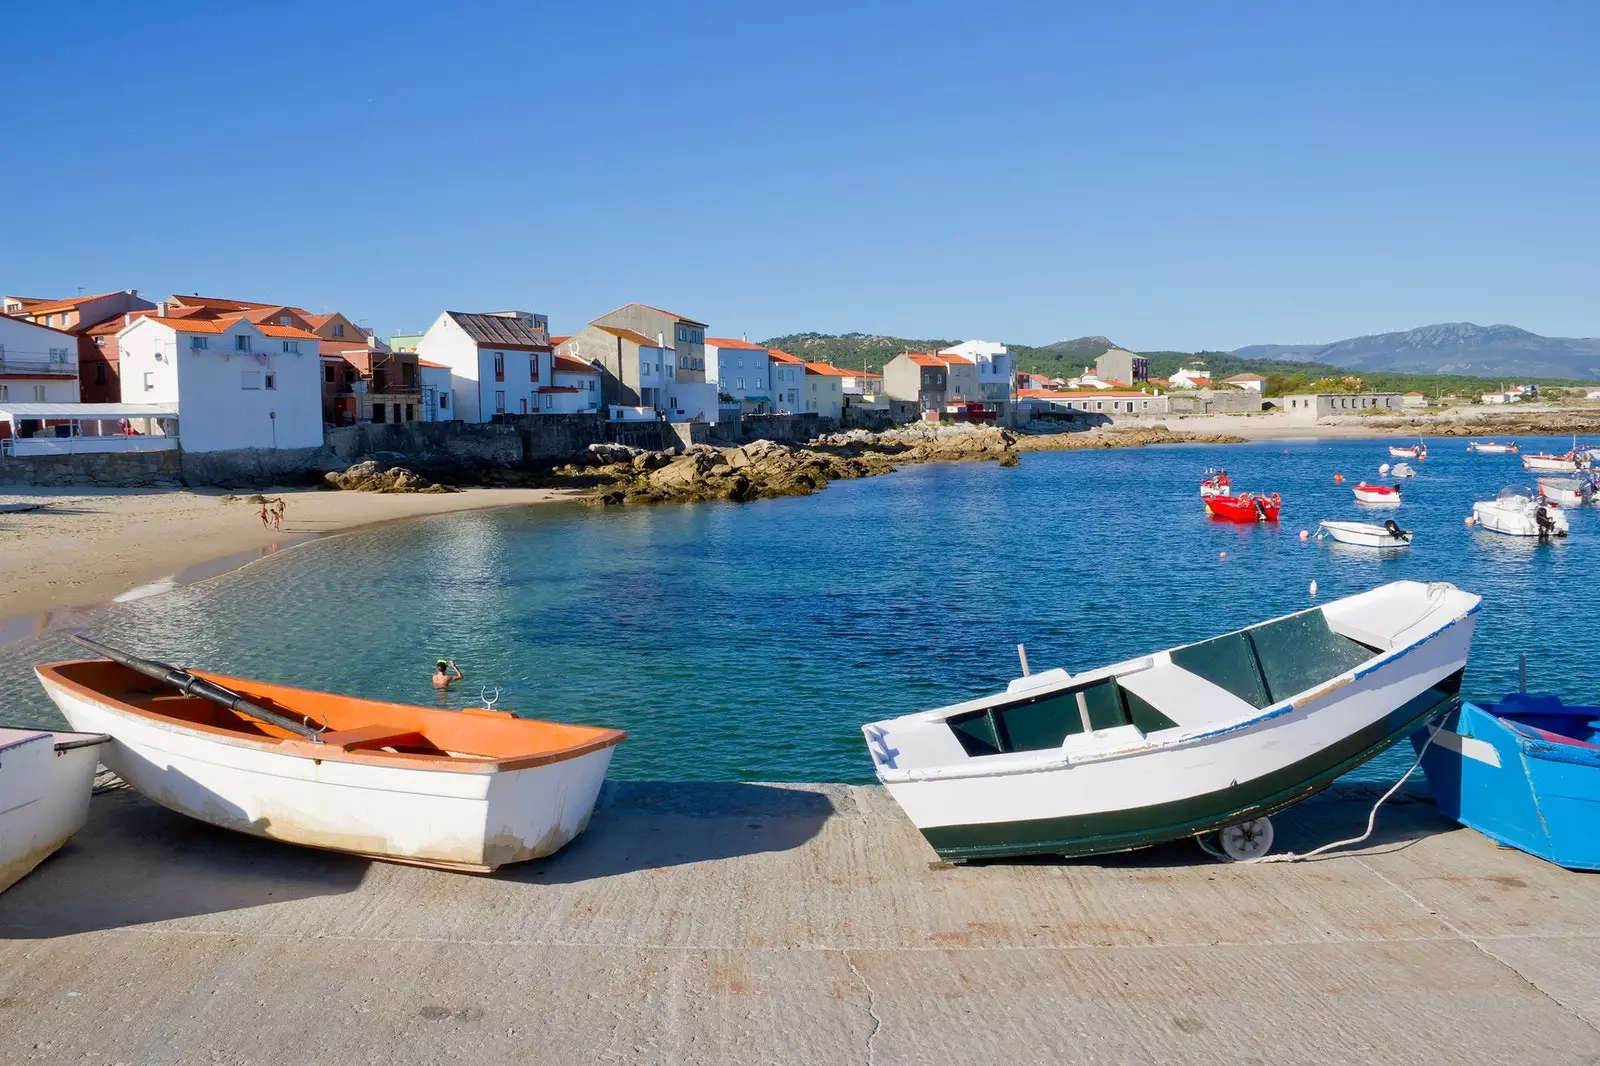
20, 446
12, 365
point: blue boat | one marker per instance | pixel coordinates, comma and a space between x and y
1524, 772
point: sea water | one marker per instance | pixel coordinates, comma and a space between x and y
752, 641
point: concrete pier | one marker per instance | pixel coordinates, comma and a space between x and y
805, 924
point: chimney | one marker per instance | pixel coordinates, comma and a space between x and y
163, 309
661, 340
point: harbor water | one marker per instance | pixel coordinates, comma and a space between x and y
751, 641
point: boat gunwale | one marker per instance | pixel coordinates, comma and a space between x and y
1049, 760
296, 747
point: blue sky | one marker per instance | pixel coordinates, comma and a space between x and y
1173, 175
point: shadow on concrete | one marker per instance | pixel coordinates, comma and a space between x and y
136, 862
648, 825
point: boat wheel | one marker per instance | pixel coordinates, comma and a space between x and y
1247, 840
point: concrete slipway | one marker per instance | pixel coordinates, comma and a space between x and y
751, 923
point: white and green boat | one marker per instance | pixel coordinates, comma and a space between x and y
1203, 738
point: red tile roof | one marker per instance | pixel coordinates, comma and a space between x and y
36, 325
272, 330
432, 366
560, 340
778, 355
1092, 394
45, 307
826, 368
1244, 377
568, 365
959, 360
924, 358
217, 325
729, 342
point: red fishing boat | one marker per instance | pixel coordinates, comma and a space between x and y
1216, 483
1246, 507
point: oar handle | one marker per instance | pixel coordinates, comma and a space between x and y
190, 685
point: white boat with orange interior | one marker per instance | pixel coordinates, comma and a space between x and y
46, 779
468, 790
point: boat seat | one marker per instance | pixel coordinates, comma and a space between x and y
370, 736
1193, 701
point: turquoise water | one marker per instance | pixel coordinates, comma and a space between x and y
750, 642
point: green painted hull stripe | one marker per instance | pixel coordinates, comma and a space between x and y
1110, 831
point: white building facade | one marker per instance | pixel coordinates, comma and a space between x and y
38, 364
234, 384
788, 382
433, 380
997, 368
741, 370
498, 362
576, 387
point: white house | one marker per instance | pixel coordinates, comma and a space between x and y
1191, 377
1414, 399
1089, 379
996, 368
498, 361
576, 387
233, 383
38, 364
788, 382
1253, 382
1502, 397
433, 380
825, 389
741, 370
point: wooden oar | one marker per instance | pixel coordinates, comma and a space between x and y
191, 685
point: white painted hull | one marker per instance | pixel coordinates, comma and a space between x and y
1550, 463
1562, 496
1515, 519
465, 820
1366, 535
44, 795
1377, 499
1490, 449
1404, 453
1130, 777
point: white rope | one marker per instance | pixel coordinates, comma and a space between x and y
1372, 816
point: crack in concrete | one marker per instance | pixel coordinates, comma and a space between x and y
872, 1005
1461, 934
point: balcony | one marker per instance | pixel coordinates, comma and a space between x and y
10, 364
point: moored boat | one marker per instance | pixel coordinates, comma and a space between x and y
46, 779
1211, 736
1524, 772
1402, 470
1383, 495
1520, 513
468, 790
1489, 447
1417, 451
1387, 536
1566, 491
1246, 507
1216, 483
1567, 463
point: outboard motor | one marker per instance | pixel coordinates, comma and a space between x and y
1543, 519
1394, 528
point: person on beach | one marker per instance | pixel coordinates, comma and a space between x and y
277, 514
445, 671
265, 522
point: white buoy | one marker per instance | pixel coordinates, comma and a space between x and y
1384, 469
1313, 588
1305, 534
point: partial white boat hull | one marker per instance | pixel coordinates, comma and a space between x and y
46, 780
1121, 787
1516, 516
1367, 535
462, 820
1377, 499
1552, 463
1490, 449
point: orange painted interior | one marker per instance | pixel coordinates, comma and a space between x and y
358, 730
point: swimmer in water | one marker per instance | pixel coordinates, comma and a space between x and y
446, 671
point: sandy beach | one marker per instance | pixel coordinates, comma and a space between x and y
78, 546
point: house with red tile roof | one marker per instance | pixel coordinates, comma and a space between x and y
788, 381
825, 389
920, 377
498, 361
38, 364
234, 384
580, 382
94, 321
742, 371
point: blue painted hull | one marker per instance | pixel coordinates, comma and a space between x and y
1524, 772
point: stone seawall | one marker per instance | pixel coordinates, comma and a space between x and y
106, 469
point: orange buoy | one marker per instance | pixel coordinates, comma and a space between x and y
1471, 520
1222, 555
1338, 479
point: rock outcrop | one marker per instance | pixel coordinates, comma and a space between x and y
373, 475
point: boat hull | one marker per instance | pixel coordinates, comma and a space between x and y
1552, 463
46, 780
1377, 498
1239, 509
1139, 796
459, 820
1492, 449
1518, 791
1518, 521
1405, 453
1366, 535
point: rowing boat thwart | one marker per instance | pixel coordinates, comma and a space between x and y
468, 790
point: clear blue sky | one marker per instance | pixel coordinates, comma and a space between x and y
1175, 175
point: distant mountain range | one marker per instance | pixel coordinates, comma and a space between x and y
1449, 348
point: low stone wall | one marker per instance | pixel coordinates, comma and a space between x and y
801, 427
255, 467
105, 469
459, 442
1216, 401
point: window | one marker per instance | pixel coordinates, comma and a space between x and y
739, 384
327, 374
683, 362
524, 405
250, 379
938, 379
549, 402
5, 392
197, 343
99, 373
270, 379
1099, 405
58, 355
500, 402
241, 342
338, 329
378, 411
397, 414
758, 384
410, 413
149, 381
533, 367
283, 320
291, 347
500, 366
589, 384
38, 394
683, 333
444, 401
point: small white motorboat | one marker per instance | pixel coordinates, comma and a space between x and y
465, 790
1215, 483
1202, 738
1569, 463
1567, 491
1381, 495
1417, 451
1489, 447
1520, 513
46, 779
1367, 534
1402, 470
